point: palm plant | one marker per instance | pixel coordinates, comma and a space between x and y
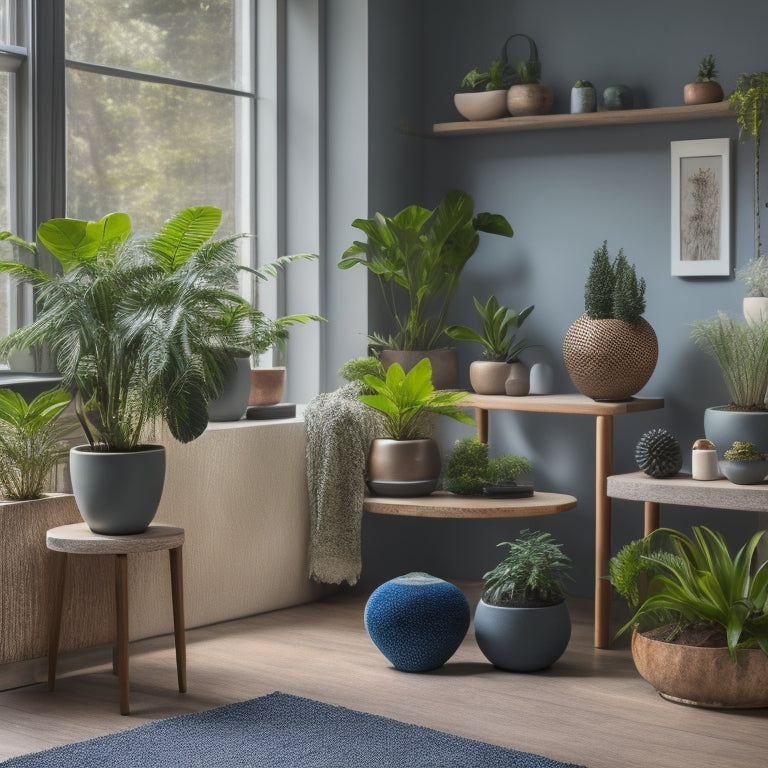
31, 441
695, 579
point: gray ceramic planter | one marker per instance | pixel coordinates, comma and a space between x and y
744, 472
724, 427
522, 639
232, 403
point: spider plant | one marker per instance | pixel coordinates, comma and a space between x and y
695, 579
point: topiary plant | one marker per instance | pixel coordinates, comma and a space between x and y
744, 451
468, 468
613, 290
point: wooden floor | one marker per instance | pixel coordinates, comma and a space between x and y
590, 708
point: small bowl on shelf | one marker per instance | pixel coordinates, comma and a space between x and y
744, 472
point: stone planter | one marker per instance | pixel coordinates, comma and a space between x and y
724, 427
403, 467
488, 377
518, 383
703, 677
583, 100
744, 472
231, 404
482, 105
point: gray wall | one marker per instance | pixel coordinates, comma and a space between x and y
564, 193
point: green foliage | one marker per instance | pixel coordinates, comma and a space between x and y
30, 441
496, 340
613, 290
498, 77
531, 574
468, 467
358, 368
696, 580
404, 399
417, 256
741, 353
755, 274
527, 72
707, 70
743, 451
506, 468
583, 84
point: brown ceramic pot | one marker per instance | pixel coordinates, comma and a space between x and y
704, 677
267, 386
445, 365
702, 93
529, 99
488, 377
403, 467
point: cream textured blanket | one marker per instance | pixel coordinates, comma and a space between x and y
339, 432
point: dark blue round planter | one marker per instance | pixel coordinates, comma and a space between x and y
417, 621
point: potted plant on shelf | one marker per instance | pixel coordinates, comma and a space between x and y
500, 348
610, 351
741, 352
750, 102
417, 257
583, 97
527, 95
700, 633
469, 471
743, 464
522, 622
407, 461
485, 97
706, 89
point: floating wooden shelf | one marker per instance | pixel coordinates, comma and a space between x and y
719, 110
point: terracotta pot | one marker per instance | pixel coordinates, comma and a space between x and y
403, 467
610, 359
529, 99
488, 377
704, 677
445, 364
267, 386
702, 93
482, 105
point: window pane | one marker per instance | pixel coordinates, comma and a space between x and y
151, 150
5, 198
207, 42
8, 22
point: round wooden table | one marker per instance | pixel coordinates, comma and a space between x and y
78, 539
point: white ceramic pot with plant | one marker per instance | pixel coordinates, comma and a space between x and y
583, 97
522, 622
499, 344
485, 94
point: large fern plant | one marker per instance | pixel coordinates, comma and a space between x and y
140, 330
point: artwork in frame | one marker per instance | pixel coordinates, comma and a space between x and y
701, 207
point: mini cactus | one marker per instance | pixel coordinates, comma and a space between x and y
707, 70
658, 454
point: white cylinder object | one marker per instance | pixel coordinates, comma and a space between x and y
704, 465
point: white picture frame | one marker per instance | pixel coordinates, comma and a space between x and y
701, 207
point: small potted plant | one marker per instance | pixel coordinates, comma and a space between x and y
583, 97
610, 351
700, 628
522, 622
706, 89
743, 464
500, 346
485, 94
407, 462
470, 472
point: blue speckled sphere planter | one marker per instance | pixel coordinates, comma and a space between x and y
417, 621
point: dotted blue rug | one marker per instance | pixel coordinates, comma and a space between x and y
281, 731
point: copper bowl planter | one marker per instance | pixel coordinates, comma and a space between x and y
403, 467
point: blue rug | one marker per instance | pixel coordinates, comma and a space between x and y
281, 731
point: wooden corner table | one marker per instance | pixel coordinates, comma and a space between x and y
603, 413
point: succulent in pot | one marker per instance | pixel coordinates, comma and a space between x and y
469, 471
743, 464
501, 348
527, 95
522, 622
700, 627
485, 94
583, 97
407, 462
610, 352
705, 89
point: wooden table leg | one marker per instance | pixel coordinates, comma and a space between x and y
651, 516
481, 419
121, 641
177, 593
603, 468
58, 577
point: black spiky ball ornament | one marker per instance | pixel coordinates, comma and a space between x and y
658, 454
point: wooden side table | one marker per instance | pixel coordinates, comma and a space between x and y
603, 413
78, 539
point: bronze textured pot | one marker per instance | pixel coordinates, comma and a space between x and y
703, 677
267, 386
488, 377
529, 99
702, 93
610, 359
403, 467
445, 364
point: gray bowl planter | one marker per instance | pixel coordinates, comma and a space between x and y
744, 472
522, 639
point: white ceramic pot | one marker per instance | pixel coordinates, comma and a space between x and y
482, 105
489, 377
755, 309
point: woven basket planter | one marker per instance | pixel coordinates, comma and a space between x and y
610, 359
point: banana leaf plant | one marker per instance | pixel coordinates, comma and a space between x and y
417, 256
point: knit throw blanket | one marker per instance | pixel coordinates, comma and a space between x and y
339, 432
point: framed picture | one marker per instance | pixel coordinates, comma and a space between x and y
701, 207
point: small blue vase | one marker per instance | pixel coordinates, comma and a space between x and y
417, 621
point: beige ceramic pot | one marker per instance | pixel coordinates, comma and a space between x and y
445, 364
267, 386
704, 677
610, 359
702, 93
403, 467
488, 377
482, 105
518, 383
529, 99
755, 309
